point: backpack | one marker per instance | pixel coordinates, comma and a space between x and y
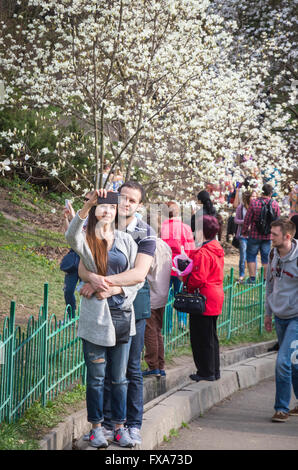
267, 216
231, 228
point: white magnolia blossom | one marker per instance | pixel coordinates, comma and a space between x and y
173, 91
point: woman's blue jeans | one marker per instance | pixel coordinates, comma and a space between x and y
135, 383
242, 259
96, 359
286, 371
182, 317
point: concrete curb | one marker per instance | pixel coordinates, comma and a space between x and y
172, 400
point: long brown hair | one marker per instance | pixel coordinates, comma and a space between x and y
98, 247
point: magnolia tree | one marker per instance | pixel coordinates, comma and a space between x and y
267, 31
156, 88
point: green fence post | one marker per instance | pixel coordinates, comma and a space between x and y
231, 301
10, 358
262, 296
45, 344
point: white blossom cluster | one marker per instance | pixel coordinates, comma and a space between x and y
171, 90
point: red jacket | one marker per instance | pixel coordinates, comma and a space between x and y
208, 275
176, 234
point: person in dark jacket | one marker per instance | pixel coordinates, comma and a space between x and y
207, 275
208, 209
294, 219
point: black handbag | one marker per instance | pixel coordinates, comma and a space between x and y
121, 320
70, 262
190, 303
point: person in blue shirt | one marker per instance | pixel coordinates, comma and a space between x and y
132, 196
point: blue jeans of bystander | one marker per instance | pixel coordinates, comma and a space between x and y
242, 255
254, 246
286, 371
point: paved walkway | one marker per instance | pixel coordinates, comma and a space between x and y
240, 422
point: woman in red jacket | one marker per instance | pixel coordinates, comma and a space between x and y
207, 275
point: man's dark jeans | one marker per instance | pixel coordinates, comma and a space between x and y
70, 282
135, 382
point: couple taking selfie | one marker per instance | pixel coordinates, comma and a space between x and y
115, 303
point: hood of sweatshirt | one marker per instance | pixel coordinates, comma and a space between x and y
214, 248
292, 255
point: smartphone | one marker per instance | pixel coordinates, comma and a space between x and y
66, 203
112, 198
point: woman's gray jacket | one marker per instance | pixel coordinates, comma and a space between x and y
95, 322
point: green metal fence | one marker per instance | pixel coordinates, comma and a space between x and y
47, 358
38, 363
243, 309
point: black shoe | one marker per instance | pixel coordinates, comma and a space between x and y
198, 378
275, 347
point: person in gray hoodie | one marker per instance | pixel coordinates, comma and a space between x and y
282, 302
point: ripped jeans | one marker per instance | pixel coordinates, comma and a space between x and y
96, 358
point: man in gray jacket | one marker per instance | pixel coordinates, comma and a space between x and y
282, 301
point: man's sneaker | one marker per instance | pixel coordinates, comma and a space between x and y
151, 373
97, 438
135, 435
108, 434
251, 280
280, 417
294, 411
122, 438
162, 373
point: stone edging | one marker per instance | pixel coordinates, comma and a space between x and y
172, 400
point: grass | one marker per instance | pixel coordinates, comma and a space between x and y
250, 336
173, 433
38, 420
24, 271
23, 274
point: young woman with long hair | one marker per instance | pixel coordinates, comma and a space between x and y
239, 220
106, 321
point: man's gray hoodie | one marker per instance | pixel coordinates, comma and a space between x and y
282, 284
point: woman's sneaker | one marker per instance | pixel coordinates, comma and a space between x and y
135, 435
97, 438
108, 434
122, 438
